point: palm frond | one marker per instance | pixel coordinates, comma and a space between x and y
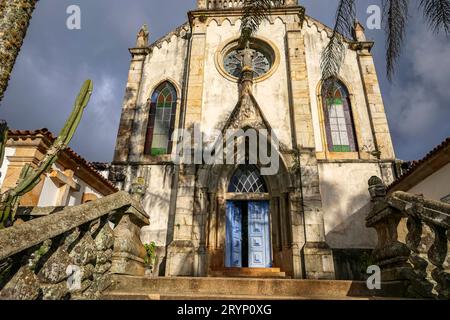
255, 12
437, 14
334, 53
396, 14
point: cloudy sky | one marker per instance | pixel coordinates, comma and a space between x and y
54, 61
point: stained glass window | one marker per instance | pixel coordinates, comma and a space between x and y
247, 179
338, 117
161, 122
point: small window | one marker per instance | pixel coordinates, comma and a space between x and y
161, 122
338, 117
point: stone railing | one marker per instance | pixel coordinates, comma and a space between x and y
71, 254
421, 262
231, 4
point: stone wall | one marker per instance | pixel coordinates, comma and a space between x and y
72, 254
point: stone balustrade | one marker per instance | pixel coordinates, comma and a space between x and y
71, 254
421, 262
231, 4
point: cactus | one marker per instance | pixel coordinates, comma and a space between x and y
30, 177
3, 139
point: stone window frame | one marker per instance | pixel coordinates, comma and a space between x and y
163, 158
332, 155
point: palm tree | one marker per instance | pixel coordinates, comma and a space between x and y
15, 16
395, 13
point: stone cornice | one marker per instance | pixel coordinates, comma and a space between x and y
364, 47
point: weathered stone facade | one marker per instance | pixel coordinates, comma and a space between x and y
318, 199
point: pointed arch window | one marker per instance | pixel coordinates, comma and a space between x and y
339, 124
161, 121
247, 179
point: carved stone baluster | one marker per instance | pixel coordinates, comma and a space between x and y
437, 255
24, 285
419, 285
104, 241
53, 274
84, 255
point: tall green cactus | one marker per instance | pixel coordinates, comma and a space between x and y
30, 177
3, 139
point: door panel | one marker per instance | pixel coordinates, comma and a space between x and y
259, 255
233, 257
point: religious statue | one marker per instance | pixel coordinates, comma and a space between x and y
142, 37
247, 56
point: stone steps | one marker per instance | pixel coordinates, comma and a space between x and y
203, 297
180, 288
267, 273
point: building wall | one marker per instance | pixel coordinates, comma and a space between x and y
4, 168
221, 95
316, 39
157, 203
345, 202
48, 192
165, 62
435, 186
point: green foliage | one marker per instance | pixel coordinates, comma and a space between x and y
150, 257
296, 166
29, 177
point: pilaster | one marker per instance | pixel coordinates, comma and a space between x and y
181, 251
318, 258
194, 95
129, 105
374, 99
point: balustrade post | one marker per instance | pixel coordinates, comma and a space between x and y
129, 252
390, 254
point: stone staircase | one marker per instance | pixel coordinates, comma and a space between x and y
211, 288
266, 273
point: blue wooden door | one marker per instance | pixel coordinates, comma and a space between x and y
233, 258
259, 252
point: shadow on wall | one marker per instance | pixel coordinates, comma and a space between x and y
346, 206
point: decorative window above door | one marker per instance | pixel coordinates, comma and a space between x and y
247, 179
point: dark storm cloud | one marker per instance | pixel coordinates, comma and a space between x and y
54, 62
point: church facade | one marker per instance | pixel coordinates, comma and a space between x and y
306, 218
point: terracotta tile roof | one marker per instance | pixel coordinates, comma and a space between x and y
416, 165
69, 151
